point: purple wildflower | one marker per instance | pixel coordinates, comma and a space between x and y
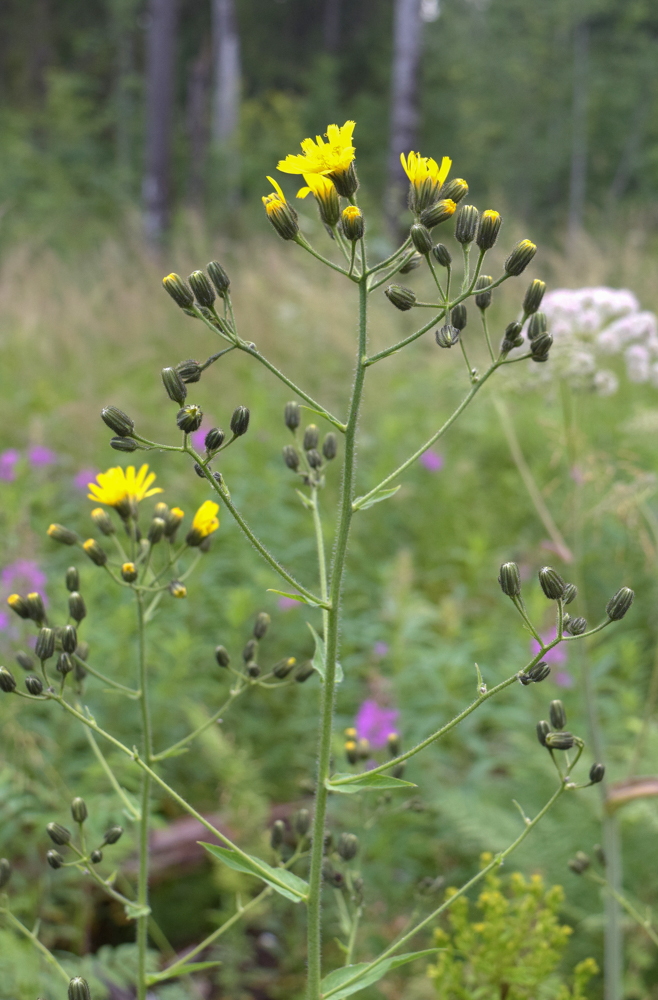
374, 723
563, 679
556, 656
8, 460
22, 576
40, 455
198, 438
431, 460
83, 478
286, 603
4, 621
380, 648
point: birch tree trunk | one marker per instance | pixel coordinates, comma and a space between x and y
160, 65
404, 104
226, 97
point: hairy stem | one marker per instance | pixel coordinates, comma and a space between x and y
147, 742
49, 957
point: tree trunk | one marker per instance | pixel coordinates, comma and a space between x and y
578, 180
124, 18
226, 98
196, 119
404, 104
160, 67
331, 26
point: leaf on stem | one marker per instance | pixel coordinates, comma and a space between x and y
182, 970
366, 783
319, 657
340, 976
295, 597
283, 881
308, 503
134, 910
362, 503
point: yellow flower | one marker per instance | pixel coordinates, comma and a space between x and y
326, 196
204, 524
122, 489
333, 158
426, 178
280, 213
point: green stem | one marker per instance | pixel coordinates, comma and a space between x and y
322, 560
486, 334
643, 922
106, 680
374, 358
111, 776
147, 739
200, 729
49, 957
389, 260
349, 954
325, 260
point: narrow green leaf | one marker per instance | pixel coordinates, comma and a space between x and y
319, 657
366, 783
183, 970
133, 910
362, 503
295, 597
283, 881
308, 503
335, 979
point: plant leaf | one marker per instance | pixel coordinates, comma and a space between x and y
340, 976
183, 970
295, 597
308, 503
319, 657
362, 503
366, 783
283, 881
133, 911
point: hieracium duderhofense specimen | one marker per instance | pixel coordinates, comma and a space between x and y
153, 558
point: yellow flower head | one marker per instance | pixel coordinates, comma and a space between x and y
425, 177
123, 488
204, 524
326, 196
333, 158
275, 201
280, 213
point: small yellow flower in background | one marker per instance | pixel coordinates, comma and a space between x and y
425, 177
280, 213
325, 194
177, 589
333, 158
129, 572
204, 524
121, 488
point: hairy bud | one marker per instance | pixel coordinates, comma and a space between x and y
262, 622
277, 834
45, 645
447, 336
34, 685
488, 229
284, 667
533, 296
459, 317
558, 716
219, 277
442, 255
59, 533
330, 446
579, 863
618, 605
189, 418
438, 213
292, 416
509, 579
483, 298
551, 583
421, 238
222, 657
204, 293
180, 293
79, 810
79, 989
570, 593
72, 579
520, 257
401, 297
173, 383
596, 773
7, 681
95, 552
560, 741
58, 834
55, 860
118, 421
240, 421
5, 872
466, 225
576, 626
543, 729
189, 370
112, 835
348, 846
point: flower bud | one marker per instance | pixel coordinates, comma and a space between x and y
540, 347
178, 290
467, 224
538, 324
77, 607
96, 857
82, 652
124, 444
79, 810
483, 298
570, 593
488, 229
413, 262
177, 589
253, 670
5, 872
103, 522
24, 660
129, 572
189, 418
112, 835
560, 741
421, 238
533, 296
58, 834
291, 416
291, 457
456, 189
558, 716
551, 583
69, 639
283, 217
7, 681
509, 579
576, 626
543, 729
393, 744
174, 385
249, 651
214, 439
95, 552
64, 664
284, 666
45, 644
311, 437
72, 579
262, 622
520, 257
352, 223
314, 458
222, 657
579, 863
277, 834
348, 846
189, 370
302, 822
240, 421
59, 533
536, 674
401, 297
304, 671
596, 773
204, 293
459, 317
330, 446
219, 277
351, 751
34, 685
442, 255
118, 421
438, 213
161, 510
618, 605
447, 336
79, 989
513, 337
156, 530
19, 605
172, 521
55, 860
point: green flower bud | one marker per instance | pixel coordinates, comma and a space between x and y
7, 681
277, 834
282, 216
58, 834
291, 457
5, 872
72, 579
69, 639
123, 444
543, 729
558, 716
292, 416
79, 989
442, 255
348, 846
345, 181
36, 609
330, 446
438, 213
596, 773
351, 751
467, 224
459, 317
304, 671
96, 857
393, 744
177, 589
551, 583
240, 421
214, 439
204, 293
618, 605
540, 347
173, 383
222, 657
45, 645
302, 822
117, 421
283, 667
82, 652
456, 189
560, 741
483, 298
314, 458
129, 572
172, 522
178, 290
19, 605
156, 530
64, 664
79, 810
262, 622
24, 660
219, 277
520, 257
533, 296
538, 324
401, 297
352, 223
509, 579
311, 437
536, 674
112, 835
95, 552
253, 670
447, 336
579, 863
189, 418
54, 859
189, 370
488, 229
413, 262
34, 685
59, 533
103, 522
576, 626
421, 238
570, 593
77, 607
249, 651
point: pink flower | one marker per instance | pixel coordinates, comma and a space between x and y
380, 648
374, 723
287, 603
198, 438
4, 621
83, 478
564, 679
556, 656
23, 576
8, 460
432, 460
39, 455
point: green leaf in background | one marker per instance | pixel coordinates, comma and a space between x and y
281, 880
362, 503
183, 970
366, 783
295, 597
339, 976
319, 657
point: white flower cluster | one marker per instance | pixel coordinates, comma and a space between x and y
588, 326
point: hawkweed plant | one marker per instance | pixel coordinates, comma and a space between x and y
154, 561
